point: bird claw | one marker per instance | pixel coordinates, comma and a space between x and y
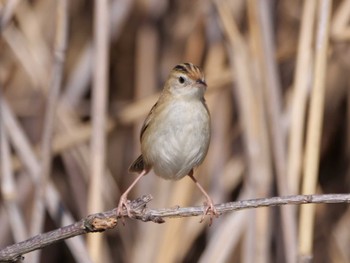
211, 211
123, 203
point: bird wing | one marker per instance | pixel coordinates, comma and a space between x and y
147, 120
137, 166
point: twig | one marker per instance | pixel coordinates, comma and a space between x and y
38, 214
99, 118
264, 36
7, 13
314, 128
8, 188
340, 30
23, 148
77, 84
107, 220
253, 121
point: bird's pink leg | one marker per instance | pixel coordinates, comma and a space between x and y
123, 202
210, 205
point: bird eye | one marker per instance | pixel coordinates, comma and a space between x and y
182, 80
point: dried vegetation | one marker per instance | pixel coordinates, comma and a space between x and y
278, 76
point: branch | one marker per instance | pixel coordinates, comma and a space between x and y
102, 221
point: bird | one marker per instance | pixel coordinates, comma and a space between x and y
175, 135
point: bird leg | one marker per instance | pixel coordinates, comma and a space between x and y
123, 202
209, 203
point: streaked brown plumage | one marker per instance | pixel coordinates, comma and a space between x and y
175, 135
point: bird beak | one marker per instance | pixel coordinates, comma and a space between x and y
201, 83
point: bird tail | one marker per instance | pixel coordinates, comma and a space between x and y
137, 166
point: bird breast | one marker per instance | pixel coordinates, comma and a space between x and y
177, 139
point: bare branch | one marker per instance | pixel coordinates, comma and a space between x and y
103, 221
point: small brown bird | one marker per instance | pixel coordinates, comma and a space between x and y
176, 133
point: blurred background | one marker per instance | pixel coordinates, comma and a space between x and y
77, 79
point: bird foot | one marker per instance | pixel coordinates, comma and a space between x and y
123, 203
209, 210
